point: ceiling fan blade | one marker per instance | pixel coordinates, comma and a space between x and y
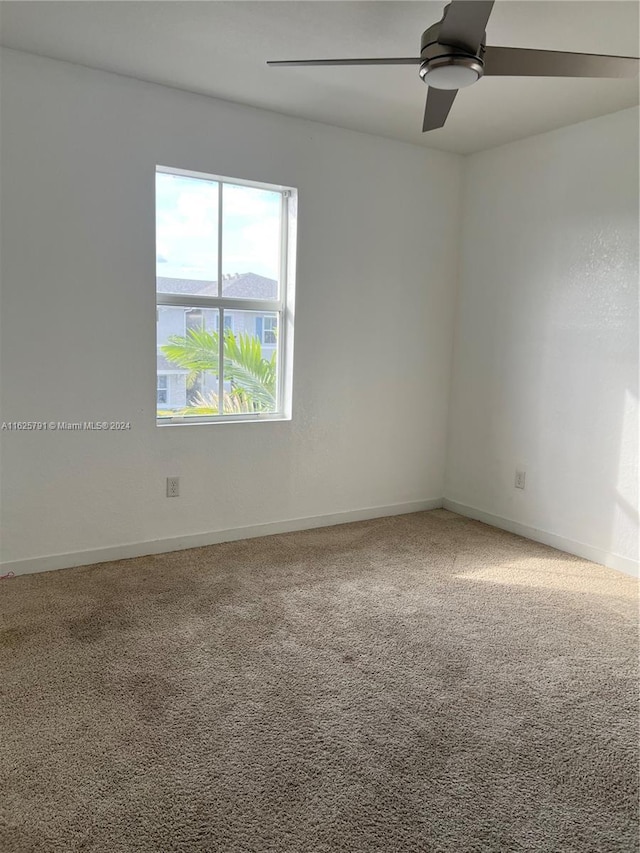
439, 103
407, 60
464, 23
521, 62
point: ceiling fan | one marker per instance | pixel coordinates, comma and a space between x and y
454, 54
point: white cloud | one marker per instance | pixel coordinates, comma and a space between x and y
249, 202
253, 248
187, 228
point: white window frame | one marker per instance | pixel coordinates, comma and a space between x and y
283, 306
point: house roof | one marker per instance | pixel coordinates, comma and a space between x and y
246, 285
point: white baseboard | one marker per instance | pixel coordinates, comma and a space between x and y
197, 540
579, 549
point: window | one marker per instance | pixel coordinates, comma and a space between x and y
224, 259
228, 322
267, 329
161, 389
193, 319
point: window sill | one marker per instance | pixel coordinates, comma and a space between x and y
222, 419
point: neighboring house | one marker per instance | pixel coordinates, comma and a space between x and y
172, 391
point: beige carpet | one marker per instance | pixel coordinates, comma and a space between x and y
418, 684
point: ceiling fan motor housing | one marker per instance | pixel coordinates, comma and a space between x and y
447, 66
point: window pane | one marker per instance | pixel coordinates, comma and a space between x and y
251, 221
171, 389
186, 235
188, 362
187, 356
250, 362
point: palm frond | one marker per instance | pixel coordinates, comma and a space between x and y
246, 368
195, 352
207, 404
253, 378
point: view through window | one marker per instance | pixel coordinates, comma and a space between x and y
222, 263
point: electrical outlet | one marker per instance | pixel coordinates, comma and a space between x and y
521, 476
173, 487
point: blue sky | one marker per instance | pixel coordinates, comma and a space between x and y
187, 229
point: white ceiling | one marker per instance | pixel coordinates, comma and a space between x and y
220, 48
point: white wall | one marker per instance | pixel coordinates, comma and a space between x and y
376, 265
546, 340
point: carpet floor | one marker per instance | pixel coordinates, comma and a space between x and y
416, 684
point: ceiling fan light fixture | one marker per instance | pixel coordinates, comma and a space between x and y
454, 54
451, 72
